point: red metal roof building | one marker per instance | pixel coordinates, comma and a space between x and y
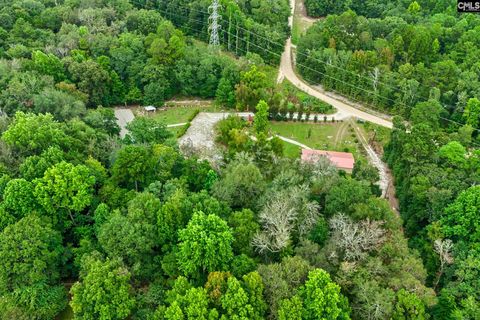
341, 160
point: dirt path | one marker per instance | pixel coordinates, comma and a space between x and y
374, 160
340, 134
344, 106
193, 102
301, 10
391, 193
301, 145
176, 125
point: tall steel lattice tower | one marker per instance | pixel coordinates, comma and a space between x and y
213, 23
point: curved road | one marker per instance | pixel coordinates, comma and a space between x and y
344, 109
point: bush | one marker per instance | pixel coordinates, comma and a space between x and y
183, 130
315, 105
194, 114
225, 127
319, 233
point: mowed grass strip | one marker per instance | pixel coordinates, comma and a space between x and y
317, 136
176, 114
320, 136
173, 115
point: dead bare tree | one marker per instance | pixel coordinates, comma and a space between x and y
277, 219
375, 74
355, 239
443, 247
287, 212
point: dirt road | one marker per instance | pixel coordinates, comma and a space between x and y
344, 108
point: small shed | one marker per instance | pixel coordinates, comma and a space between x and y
341, 160
150, 108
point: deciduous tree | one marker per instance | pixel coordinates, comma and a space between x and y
103, 292
30, 272
65, 189
205, 245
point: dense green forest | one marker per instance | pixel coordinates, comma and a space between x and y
379, 9
133, 228
416, 60
147, 233
396, 61
83, 53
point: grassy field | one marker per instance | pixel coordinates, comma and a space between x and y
174, 130
177, 114
337, 137
174, 115
313, 135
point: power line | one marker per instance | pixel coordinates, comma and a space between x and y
328, 76
213, 21
392, 87
397, 88
444, 106
353, 86
319, 72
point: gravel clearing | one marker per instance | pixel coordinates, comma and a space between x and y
200, 137
124, 117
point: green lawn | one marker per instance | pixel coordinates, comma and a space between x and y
174, 130
291, 151
174, 115
337, 137
177, 114
320, 137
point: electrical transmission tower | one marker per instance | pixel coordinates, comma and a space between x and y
213, 23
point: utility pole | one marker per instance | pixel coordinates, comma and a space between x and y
213, 23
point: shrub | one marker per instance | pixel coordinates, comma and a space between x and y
183, 130
194, 114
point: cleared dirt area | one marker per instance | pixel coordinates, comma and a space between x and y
200, 137
124, 116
